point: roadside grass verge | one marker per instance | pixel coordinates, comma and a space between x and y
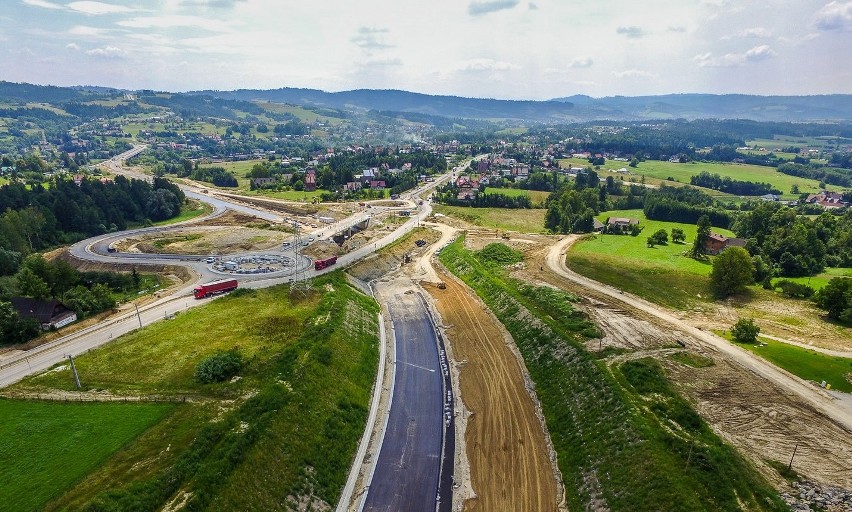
615, 451
47, 446
518, 219
804, 363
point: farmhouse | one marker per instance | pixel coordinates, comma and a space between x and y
620, 225
717, 243
50, 314
826, 199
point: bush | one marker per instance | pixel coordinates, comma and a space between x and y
794, 290
745, 330
219, 367
500, 254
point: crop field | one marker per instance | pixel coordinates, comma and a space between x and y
284, 432
536, 196
47, 446
625, 439
683, 172
804, 363
522, 220
662, 274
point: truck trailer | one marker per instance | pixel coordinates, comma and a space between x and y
321, 264
214, 288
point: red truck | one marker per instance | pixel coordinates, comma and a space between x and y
321, 264
216, 287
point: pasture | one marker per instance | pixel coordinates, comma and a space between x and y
47, 446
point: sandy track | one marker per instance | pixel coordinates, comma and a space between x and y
506, 445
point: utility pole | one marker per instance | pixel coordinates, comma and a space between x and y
74, 371
138, 317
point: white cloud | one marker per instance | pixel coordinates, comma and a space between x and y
489, 6
634, 73
632, 32
582, 62
87, 31
755, 32
43, 4
371, 39
730, 60
109, 52
834, 16
175, 21
221, 4
72, 46
97, 8
476, 65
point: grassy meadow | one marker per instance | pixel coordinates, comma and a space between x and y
522, 220
662, 274
48, 446
536, 196
683, 172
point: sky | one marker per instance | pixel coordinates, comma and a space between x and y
508, 49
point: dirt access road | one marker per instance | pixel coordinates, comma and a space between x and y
767, 413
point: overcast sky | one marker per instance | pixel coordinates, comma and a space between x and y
513, 49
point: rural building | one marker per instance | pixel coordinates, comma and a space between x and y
826, 199
622, 222
50, 314
717, 243
310, 180
377, 184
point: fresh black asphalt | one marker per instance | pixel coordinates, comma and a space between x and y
409, 468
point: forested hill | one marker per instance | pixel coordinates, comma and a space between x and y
836, 107
403, 101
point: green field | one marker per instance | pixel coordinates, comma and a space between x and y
522, 220
804, 363
188, 211
48, 446
662, 274
819, 281
288, 426
536, 196
683, 172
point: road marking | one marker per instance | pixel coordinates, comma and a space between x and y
417, 366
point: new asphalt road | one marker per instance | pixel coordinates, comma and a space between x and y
407, 472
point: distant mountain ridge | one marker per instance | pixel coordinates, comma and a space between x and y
835, 107
578, 108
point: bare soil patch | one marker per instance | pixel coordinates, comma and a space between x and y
506, 445
203, 241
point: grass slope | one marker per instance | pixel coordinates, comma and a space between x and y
285, 432
47, 446
619, 448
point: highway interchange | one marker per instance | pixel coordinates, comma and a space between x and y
415, 464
